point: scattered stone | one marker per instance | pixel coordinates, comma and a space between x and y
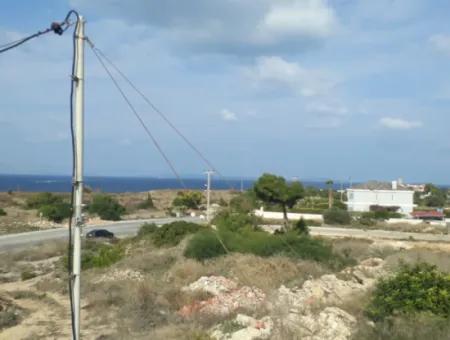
251, 329
227, 297
121, 275
331, 324
214, 285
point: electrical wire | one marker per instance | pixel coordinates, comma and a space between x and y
162, 115
59, 29
74, 165
139, 118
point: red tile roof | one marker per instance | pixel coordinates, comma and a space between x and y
427, 213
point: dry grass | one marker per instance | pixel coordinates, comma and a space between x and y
441, 259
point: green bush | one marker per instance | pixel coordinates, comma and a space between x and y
2, 212
406, 327
147, 229
301, 227
41, 199
96, 255
235, 221
336, 216
173, 233
188, 199
244, 203
27, 275
208, 244
204, 245
418, 288
308, 210
56, 212
106, 207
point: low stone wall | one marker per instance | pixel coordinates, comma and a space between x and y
272, 215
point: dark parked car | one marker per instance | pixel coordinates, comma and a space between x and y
100, 233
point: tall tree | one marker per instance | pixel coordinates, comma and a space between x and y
274, 189
330, 193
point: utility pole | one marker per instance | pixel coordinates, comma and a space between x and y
78, 121
208, 195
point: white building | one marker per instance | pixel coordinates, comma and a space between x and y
382, 194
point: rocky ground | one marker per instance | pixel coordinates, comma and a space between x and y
157, 294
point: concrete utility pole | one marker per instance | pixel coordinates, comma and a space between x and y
78, 176
208, 195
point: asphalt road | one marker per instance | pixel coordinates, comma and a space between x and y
120, 229
130, 228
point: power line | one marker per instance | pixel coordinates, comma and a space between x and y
162, 115
57, 28
141, 121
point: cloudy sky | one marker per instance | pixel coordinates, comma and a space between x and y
305, 88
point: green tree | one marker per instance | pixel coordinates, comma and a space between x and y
106, 207
329, 184
188, 199
301, 227
435, 197
274, 189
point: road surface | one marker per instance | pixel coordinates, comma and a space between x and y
120, 229
130, 228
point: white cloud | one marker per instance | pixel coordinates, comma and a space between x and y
399, 124
232, 26
228, 115
312, 18
277, 72
441, 43
327, 109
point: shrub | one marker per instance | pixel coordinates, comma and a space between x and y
301, 227
41, 199
418, 288
406, 327
147, 229
27, 275
97, 255
188, 199
204, 245
209, 244
8, 318
147, 203
336, 216
56, 212
235, 221
171, 234
106, 207
2, 212
244, 202
309, 210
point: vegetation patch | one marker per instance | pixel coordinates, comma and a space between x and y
106, 207
418, 288
51, 206
336, 216
212, 243
169, 234
2, 212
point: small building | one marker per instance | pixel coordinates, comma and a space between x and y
362, 197
428, 215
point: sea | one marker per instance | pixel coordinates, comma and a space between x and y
55, 183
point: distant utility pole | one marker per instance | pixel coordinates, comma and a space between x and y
208, 195
242, 185
78, 121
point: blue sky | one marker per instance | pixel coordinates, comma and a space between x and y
305, 88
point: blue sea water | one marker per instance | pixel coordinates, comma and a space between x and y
35, 183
